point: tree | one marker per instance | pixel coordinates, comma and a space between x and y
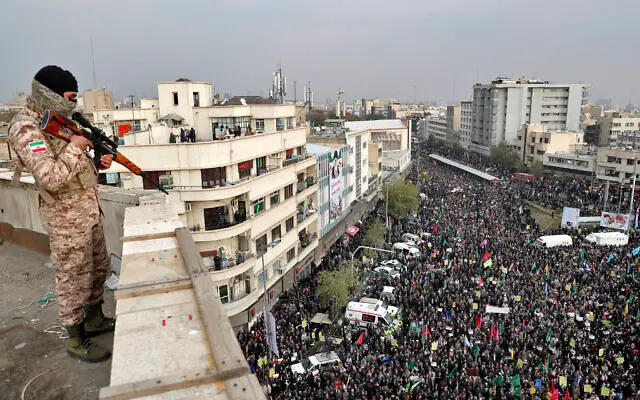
374, 237
504, 156
337, 283
403, 198
537, 168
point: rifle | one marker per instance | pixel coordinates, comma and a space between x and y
52, 122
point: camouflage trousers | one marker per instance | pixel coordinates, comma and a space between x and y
78, 254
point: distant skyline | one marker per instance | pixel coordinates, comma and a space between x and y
405, 50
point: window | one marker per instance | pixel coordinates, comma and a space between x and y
215, 218
223, 292
213, 177
261, 164
275, 233
288, 191
258, 206
280, 124
274, 198
175, 98
259, 124
289, 224
154, 176
261, 245
291, 254
546, 140
244, 169
629, 162
196, 99
364, 145
290, 123
368, 318
276, 267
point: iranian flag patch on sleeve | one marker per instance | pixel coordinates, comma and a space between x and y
38, 146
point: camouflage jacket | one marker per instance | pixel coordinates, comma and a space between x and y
58, 167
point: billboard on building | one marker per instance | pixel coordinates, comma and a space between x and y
335, 185
570, 217
614, 221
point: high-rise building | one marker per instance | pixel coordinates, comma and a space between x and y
622, 132
96, 99
466, 109
501, 107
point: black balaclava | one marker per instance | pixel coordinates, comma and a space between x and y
47, 91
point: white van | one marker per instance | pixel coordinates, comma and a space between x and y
412, 240
554, 241
395, 264
312, 362
364, 314
404, 250
607, 239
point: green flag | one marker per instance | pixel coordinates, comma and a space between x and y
502, 328
548, 335
517, 392
424, 340
406, 388
412, 363
452, 372
533, 267
497, 381
515, 381
476, 350
630, 301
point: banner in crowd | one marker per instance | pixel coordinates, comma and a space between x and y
570, 217
335, 185
614, 221
497, 310
271, 332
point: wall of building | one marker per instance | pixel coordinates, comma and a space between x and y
96, 99
19, 208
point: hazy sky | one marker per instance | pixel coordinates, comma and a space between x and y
369, 48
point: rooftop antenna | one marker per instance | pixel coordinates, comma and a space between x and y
93, 63
278, 86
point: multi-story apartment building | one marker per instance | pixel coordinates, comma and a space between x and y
355, 159
393, 134
501, 107
246, 188
96, 99
621, 132
580, 166
466, 109
617, 165
437, 127
453, 125
534, 140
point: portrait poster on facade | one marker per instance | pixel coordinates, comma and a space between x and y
570, 217
335, 185
614, 221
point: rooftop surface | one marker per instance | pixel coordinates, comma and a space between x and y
375, 124
30, 342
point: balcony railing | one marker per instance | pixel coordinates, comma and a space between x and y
292, 160
223, 263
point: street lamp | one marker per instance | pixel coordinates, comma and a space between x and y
370, 248
264, 304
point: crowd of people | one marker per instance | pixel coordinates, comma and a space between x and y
486, 314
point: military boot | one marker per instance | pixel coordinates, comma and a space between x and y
81, 347
95, 322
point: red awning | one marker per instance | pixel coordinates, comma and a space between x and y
352, 230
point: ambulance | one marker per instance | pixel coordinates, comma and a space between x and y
370, 313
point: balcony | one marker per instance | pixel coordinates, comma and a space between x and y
210, 154
306, 218
222, 233
307, 189
244, 261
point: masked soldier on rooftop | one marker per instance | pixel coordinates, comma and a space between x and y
66, 178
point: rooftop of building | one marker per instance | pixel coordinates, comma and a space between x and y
375, 124
246, 100
318, 149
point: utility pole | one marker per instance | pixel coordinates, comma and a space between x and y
633, 186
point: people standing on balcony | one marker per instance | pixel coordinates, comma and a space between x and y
183, 136
192, 135
172, 137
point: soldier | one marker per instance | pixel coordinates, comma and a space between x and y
66, 178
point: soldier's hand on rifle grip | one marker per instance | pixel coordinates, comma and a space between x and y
81, 142
106, 160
